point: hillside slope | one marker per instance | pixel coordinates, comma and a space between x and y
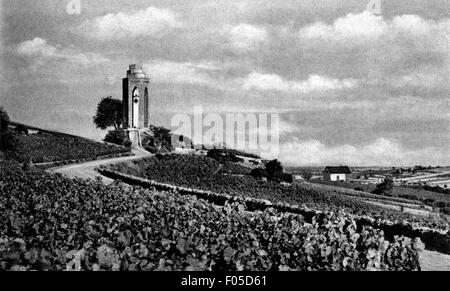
45, 146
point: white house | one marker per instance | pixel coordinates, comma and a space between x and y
341, 173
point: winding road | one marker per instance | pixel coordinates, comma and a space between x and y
87, 170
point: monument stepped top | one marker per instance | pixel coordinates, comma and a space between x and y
136, 71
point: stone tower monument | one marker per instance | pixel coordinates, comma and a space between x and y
135, 103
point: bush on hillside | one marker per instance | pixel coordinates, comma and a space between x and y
158, 139
223, 157
20, 128
275, 170
286, 177
237, 153
429, 201
119, 137
8, 140
307, 175
385, 188
259, 173
150, 149
4, 120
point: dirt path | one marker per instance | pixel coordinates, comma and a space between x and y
86, 170
413, 211
434, 261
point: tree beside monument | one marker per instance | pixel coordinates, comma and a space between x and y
110, 114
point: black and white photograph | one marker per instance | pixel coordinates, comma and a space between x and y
233, 137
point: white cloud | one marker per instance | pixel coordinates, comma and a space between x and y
40, 50
314, 83
36, 47
354, 26
411, 23
382, 152
245, 37
265, 82
183, 73
367, 26
426, 80
148, 22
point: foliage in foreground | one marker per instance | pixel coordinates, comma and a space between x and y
48, 217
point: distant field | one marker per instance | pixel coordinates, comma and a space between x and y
432, 199
398, 191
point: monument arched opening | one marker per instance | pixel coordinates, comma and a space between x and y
135, 104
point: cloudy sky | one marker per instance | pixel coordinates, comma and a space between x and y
351, 86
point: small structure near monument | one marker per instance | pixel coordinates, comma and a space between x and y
136, 103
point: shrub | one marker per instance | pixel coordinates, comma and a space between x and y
440, 204
223, 157
119, 137
237, 153
307, 175
429, 201
8, 141
274, 170
258, 173
151, 149
159, 156
4, 120
20, 128
446, 210
385, 188
159, 137
287, 178
26, 165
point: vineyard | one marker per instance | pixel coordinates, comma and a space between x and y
45, 147
197, 172
51, 223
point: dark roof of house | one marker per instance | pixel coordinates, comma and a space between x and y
338, 170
